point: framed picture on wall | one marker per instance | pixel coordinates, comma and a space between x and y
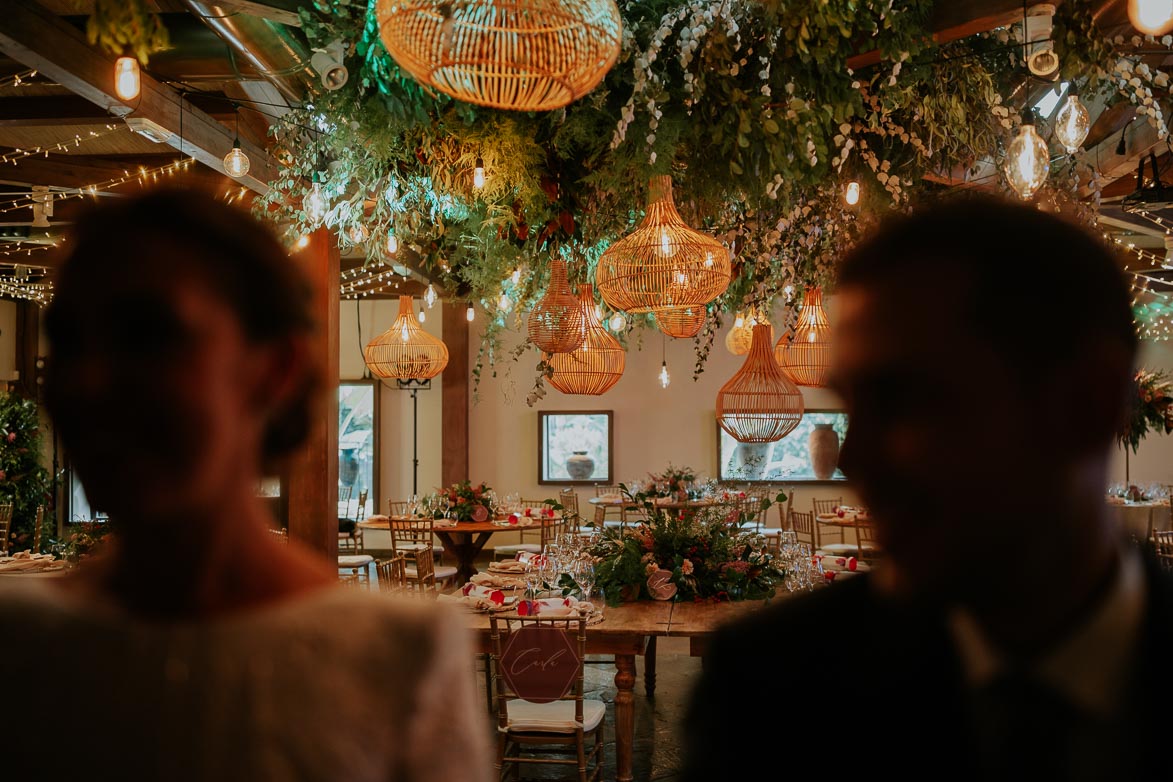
809, 454
574, 447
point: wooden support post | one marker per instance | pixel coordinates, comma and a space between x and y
28, 330
454, 397
312, 481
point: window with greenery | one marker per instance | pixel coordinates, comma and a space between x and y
358, 451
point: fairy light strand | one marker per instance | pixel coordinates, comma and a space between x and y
63, 146
143, 176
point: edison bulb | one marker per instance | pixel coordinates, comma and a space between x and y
618, 322
664, 377
127, 81
392, 193
1072, 123
302, 242
404, 334
504, 303
1028, 162
851, 194
516, 276
478, 174
422, 316
469, 314
236, 163
315, 204
708, 260
357, 233
1154, 17
430, 296
393, 247
739, 321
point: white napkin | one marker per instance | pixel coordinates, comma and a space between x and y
476, 591
508, 566
550, 607
495, 581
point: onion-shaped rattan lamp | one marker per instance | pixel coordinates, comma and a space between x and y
805, 356
525, 55
759, 404
557, 323
405, 351
681, 323
595, 366
663, 264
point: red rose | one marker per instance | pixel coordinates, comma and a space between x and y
12, 437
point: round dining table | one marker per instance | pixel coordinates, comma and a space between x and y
465, 539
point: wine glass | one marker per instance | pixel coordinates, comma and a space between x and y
413, 505
584, 576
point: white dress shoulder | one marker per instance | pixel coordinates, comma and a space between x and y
338, 684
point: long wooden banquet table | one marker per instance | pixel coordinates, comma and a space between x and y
631, 629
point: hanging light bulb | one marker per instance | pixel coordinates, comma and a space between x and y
315, 204
516, 276
392, 192
618, 322
504, 303
422, 316
393, 247
357, 233
127, 81
470, 313
665, 244
739, 321
478, 174
1072, 123
851, 193
1027, 159
236, 163
430, 296
664, 377
1154, 17
302, 242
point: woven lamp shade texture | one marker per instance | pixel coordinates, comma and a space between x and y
759, 404
806, 356
405, 351
739, 338
594, 367
682, 323
663, 264
556, 323
525, 55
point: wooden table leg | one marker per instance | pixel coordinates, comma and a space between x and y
465, 546
650, 668
624, 715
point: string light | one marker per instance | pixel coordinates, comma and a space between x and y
17, 79
127, 82
478, 174
504, 303
315, 203
430, 296
617, 322
422, 315
516, 276
144, 176
665, 378
302, 242
63, 146
236, 163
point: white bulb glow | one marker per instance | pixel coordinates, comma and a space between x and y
422, 316
392, 193
664, 377
708, 260
315, 204
1154, 17
430, 296
236, 163
666, 248
478, 175
393, 246
617, 322
516, 276
739, 321
302, 242
1028, 162
357, 233
403, 333
851, 194
127, 81
1072, 124
469, 313
504, 303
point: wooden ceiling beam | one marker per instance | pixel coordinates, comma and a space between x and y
77, 171
34, 36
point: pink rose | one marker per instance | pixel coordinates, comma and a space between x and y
12, 437
686, 567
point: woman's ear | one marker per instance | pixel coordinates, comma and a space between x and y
281, 371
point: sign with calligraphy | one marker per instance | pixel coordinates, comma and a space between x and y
539, 663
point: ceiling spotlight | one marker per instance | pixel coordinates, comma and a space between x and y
1041, 59
328, 63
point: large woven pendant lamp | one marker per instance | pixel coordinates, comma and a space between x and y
759, 404
806, 355
556, 323
595, 366
405, 351
663, 264
525, 55
681, 323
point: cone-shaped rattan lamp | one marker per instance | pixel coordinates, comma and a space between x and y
663, 264
759, 404
805, 356
405, 351
682, 323
557, 323
526, 55
595, 366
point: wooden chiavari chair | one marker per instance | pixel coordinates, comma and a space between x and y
392, 574
412, 537
1163, 549
5, 527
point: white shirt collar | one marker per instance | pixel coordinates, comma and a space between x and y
1091, 667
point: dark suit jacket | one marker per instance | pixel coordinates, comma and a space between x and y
842, 683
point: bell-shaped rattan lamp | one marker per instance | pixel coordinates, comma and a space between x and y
525, 55
805, 355
663, 264
759, 404
681, 323
595, 366
557, 323
405, 351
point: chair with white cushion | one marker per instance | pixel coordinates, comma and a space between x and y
542, 716
414, 536
532, 539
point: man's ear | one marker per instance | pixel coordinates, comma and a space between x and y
1088, 396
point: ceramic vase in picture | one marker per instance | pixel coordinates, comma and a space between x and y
824, 449
579, 466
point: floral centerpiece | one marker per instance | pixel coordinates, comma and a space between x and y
1152, 408
463, 502
702, 553
672, 482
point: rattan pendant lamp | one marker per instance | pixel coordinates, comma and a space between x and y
557, 323
805, 355
759, 404
405, 351
663, 264
594, 367
525, 55
681, 323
